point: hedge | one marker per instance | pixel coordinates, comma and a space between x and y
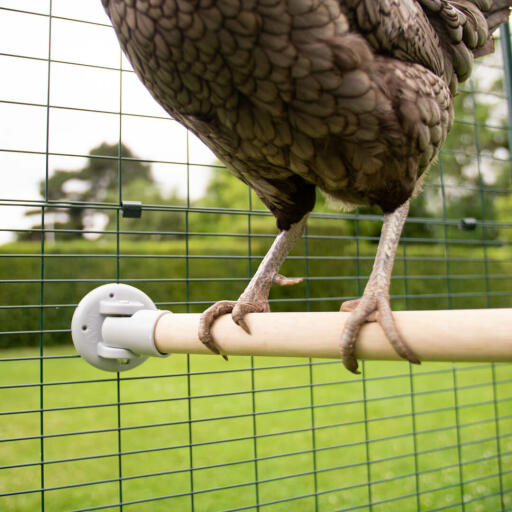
39, 293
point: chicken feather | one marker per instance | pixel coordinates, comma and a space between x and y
352, 96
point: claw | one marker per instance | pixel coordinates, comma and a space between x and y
360, 309
385, 319
347, 348
243, 308
238, 310
351, 365
281, 280
242, 323
206, 321
210, 343
371, 308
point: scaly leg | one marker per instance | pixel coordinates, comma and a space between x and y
374, 304
255, 296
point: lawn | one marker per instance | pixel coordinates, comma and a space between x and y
281, 433
263, 434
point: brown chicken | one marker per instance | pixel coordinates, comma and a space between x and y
352, 96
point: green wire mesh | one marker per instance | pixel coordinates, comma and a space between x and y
193, 432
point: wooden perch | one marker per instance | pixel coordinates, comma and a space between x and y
449, 335
115, 327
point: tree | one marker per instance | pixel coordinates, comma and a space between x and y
98, 183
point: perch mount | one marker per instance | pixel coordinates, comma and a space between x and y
113, 326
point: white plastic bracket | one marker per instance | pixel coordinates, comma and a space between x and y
113, 327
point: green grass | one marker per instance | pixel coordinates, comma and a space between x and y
413, 436
198, 432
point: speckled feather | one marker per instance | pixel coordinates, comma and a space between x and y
352, 96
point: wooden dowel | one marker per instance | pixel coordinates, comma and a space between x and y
450, 335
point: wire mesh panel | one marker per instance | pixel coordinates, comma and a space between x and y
81, 142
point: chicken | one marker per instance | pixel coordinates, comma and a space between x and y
352, 96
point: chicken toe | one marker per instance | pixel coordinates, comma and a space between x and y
254, 299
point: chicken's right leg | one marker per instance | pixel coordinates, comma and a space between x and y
254, 299
374, 304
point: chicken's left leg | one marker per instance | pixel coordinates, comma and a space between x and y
374, 304
255, 296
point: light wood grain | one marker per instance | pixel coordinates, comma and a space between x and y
451, 335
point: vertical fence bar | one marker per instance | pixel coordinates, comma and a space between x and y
497, 431
460, 463
363, 373
450, 305
310, 371
481, 187
411, 380
118, 277
43, 248
253, 371
506, 53
254, 435
189, 361
41, 361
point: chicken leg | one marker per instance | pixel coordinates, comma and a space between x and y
374, 304
254, 299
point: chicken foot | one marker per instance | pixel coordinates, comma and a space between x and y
374, 304
254, 298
